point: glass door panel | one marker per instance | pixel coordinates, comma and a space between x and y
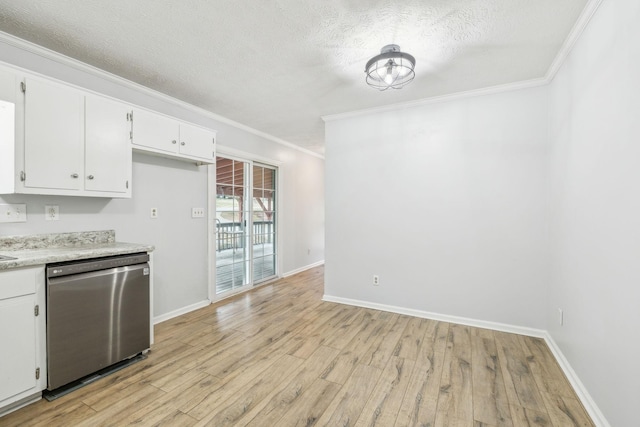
264, 242
232, 210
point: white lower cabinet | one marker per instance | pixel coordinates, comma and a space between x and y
22, 337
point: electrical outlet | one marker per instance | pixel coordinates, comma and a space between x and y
376, 280
51, 213
154, 212
197, 212
560, 317
13, 213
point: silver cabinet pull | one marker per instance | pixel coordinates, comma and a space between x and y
174, 141
90, 177
74, 175
183, 143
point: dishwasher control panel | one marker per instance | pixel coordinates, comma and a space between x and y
94, 264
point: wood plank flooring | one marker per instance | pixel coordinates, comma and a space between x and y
279, 356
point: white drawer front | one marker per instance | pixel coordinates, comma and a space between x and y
17, 282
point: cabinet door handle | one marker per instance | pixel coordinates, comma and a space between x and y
183, 143
174, 141
74, 175
90, 177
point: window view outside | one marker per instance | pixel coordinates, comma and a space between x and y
245, 224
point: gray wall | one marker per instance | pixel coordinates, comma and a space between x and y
447, 203
174, 187
595, 135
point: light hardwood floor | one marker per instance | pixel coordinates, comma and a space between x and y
279, 356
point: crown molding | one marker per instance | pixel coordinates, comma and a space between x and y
52, 55
441, 98
581, 24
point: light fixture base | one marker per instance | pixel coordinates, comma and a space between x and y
390, 69
390, 48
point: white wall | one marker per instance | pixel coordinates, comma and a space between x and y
447, 203
174, 187
595, 134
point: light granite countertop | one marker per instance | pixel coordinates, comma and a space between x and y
43, 249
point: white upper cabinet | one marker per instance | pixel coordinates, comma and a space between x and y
53, 136
155, 131
65, 141
196, 141
57, 139
107, 145
162, 135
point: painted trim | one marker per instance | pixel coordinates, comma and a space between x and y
503, 327
180, 311
585, 398
52, 55
301, 269
226, 151
573, 36
581, 24
21, 403
509, 87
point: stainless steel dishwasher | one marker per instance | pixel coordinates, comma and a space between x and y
98, 314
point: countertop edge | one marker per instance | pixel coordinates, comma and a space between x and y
34, 257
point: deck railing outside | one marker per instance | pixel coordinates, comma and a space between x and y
230, 235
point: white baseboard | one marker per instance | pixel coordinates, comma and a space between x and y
587, 401
20, 403
584, 396
180, 311
201, 304
538, 333
301, 269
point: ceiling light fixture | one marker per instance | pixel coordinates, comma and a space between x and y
390, 69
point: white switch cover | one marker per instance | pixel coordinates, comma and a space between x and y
154, 213
13, 213
197, 212
51, 212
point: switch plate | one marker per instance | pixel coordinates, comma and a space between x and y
376, 280
51, 212
197, 212
154, 213
13, 213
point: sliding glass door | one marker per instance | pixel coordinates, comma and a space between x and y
245, 224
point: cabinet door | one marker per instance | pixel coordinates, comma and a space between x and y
107, 148
155, 131
8, 91
54, 140
196, 141
18, 338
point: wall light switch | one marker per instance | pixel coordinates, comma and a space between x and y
197, 212
51, 212
13, 213
154, 213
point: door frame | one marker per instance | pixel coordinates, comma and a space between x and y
244, 156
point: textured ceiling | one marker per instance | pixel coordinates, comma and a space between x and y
279, 65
